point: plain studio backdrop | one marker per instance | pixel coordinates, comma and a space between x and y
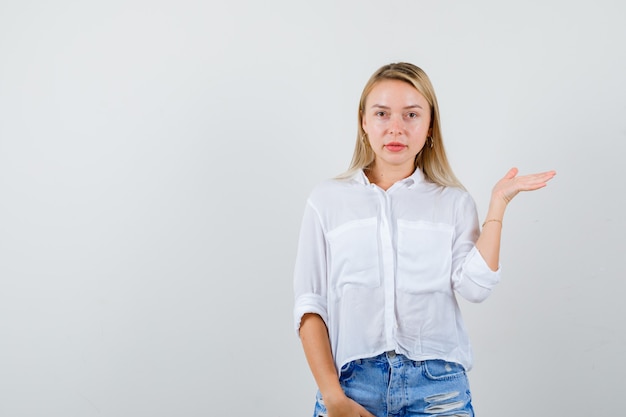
155, 159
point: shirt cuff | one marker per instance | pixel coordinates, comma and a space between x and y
309, 303
476, 279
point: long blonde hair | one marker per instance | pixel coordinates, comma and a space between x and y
431, 160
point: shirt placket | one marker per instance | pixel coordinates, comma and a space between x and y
388, 268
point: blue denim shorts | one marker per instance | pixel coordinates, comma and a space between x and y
390, 384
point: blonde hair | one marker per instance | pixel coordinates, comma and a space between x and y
431, 160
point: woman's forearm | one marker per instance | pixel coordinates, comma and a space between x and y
316, 344
488, 244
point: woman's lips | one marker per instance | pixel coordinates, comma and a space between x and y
395, 146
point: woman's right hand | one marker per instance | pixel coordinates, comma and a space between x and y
346, 407
314, 337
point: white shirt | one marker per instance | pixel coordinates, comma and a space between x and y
381, 268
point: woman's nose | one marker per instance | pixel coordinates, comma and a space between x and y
395, 125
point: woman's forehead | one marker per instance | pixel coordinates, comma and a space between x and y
386, 93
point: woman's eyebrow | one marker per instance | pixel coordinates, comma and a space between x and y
412, 106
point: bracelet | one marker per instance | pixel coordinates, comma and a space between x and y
492, 220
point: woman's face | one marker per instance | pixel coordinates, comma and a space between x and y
396, 119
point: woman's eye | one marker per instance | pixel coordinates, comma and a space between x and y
412, 115
380, 113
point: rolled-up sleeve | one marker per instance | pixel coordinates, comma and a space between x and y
310, 284
471, 276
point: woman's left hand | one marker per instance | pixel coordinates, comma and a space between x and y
509, 186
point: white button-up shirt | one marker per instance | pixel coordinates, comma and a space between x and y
382, 267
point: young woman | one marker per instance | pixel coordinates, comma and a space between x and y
383, 250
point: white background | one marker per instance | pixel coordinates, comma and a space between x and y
155, 158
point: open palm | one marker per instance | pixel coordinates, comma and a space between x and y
509, 186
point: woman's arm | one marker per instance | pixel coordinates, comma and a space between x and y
310, 312
314, 337
488, 244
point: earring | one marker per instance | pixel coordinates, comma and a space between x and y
429, 141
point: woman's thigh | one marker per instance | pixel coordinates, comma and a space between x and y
364, 381
438, 388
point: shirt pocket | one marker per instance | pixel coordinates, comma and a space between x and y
354, 254
424, 256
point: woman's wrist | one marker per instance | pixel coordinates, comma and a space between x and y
495, 213
333, 396
497, 207
492, 221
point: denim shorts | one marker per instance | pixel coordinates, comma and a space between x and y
390, 384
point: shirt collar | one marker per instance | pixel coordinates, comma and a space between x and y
415, 178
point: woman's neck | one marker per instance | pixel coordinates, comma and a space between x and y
385, 178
